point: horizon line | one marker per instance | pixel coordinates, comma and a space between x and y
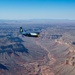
34, 19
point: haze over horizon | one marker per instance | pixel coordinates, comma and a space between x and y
37, 9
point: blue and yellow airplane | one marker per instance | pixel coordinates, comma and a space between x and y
29, 34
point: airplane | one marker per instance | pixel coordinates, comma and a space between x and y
29, 34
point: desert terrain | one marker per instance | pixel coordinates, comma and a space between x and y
52, 53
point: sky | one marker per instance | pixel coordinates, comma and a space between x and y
37, 9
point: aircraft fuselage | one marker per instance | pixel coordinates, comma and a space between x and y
31, 34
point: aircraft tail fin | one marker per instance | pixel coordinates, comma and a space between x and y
21, 30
